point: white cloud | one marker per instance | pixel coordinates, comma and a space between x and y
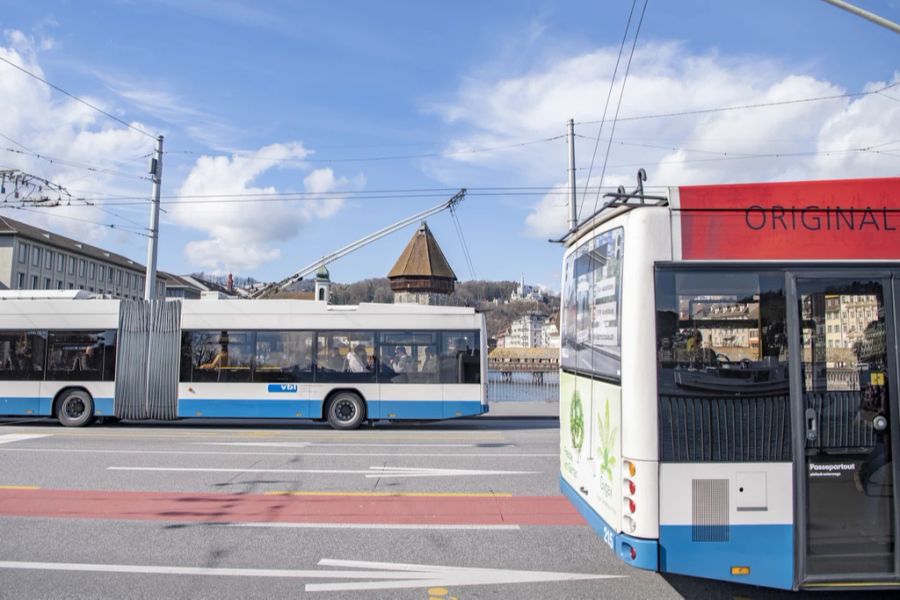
71, 137
810, 138
244, 235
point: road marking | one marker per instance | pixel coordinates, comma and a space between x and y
375, 526
19, 487
334, 445
376, 576
371, 473
9, 438
329, 454
398, 494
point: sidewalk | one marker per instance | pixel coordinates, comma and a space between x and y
523, 410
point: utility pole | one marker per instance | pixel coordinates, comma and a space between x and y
570, 138
156, 177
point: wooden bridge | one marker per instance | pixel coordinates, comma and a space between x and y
536, 361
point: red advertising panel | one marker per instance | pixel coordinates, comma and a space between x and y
842, 219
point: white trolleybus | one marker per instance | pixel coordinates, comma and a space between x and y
77, 358
729, 381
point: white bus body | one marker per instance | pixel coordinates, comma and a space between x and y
721, 414
255, 336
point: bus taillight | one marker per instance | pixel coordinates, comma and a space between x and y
632, 507
629, 525
629, 485
631, 468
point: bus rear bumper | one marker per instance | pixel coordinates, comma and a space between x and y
637, 552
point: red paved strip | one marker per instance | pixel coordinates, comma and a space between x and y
235, 508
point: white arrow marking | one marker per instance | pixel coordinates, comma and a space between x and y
387, 575
371, 473
21, 437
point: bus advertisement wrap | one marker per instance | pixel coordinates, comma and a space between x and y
591, 443
853, 219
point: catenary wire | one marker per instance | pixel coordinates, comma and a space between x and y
619, 104
76, 98
612, 83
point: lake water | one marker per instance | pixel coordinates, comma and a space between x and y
523, 387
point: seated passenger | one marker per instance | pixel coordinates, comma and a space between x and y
357, 361
401, 362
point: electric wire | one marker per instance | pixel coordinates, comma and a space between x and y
612, 83
245, 156
71, 218
462, 241
76, 98
702, 111
619, 104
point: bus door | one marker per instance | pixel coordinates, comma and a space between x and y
844, 393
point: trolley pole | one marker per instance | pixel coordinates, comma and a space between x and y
570, 138
156, 178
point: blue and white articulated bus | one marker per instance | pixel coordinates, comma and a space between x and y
76, 358
729, 381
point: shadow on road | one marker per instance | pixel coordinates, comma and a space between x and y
693, 588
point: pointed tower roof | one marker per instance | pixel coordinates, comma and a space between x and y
422, 257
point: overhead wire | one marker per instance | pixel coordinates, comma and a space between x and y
702, 111
380, 158
612, 83
462, 241
71, 218
612, 134
77, 99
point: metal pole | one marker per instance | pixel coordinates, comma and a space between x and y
570, 137
865, 15
156, 177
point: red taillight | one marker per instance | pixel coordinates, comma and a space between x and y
631, 487
633, 553
632, 506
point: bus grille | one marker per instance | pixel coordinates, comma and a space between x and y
724, 429
709, 507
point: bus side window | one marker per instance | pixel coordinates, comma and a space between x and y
21, 355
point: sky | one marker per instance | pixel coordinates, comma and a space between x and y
294, 128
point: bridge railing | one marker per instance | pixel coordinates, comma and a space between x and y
523, 386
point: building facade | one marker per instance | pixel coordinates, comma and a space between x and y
35, 259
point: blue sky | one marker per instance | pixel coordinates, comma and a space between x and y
338, 100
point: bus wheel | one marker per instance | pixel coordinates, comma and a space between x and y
346, 411
75, 408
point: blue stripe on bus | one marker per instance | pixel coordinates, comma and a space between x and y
22, 405
647, 550
43, 406
103, 407
768, 551
312, 409
237, 408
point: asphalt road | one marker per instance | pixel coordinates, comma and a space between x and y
463, 509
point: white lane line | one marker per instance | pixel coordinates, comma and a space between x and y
9, 438
334, 445
376, 526
329, 454
379, 471
380, 575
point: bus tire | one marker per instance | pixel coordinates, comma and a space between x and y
75, 408
346, 410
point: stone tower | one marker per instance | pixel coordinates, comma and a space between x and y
422, 275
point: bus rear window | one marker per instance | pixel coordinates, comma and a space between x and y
592, 295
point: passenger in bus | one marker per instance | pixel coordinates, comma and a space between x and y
333, 361
88, 360
401, 362
430, 364
219, 361
357, 361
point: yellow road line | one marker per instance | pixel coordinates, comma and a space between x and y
394, 494
19, 487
